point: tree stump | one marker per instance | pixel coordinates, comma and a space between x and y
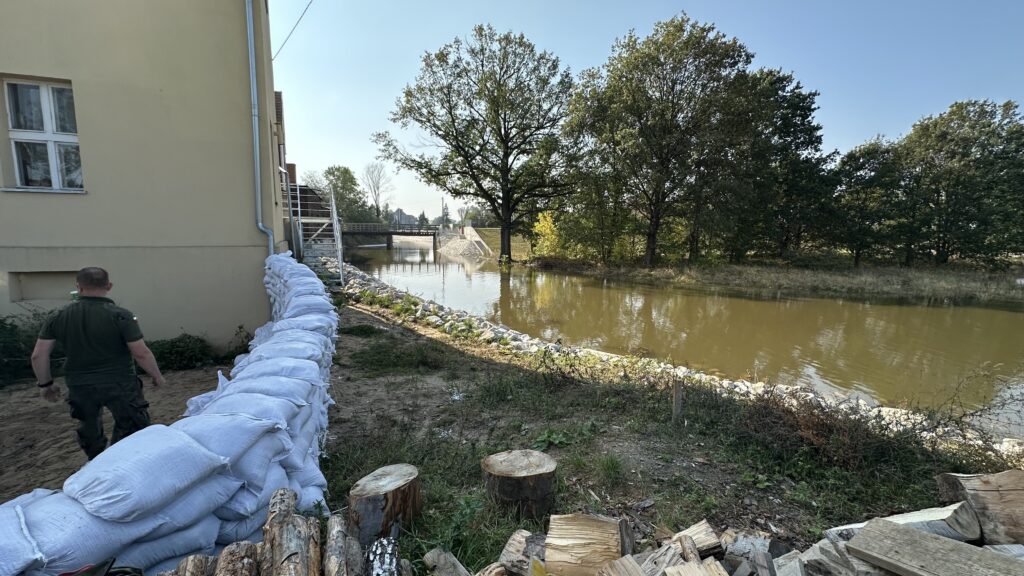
524, 479
381, 502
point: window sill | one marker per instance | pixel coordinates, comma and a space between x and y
43, 190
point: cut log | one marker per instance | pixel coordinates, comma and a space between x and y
625, 566
910, 552
521, 479
677, 400
382, 557
290, 541
342, 555
821, 558
997, 499
315, 548
708, 543
382, 502
239, 559
956, 521
282, 502
668, 555
197, 565
266, 558
405, 568
494, 569
443, 563
580, 544
519, 550
688, 548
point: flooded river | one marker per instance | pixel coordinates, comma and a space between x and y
894, 353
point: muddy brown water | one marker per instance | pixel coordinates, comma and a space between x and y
893, 353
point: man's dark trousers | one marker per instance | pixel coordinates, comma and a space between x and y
123, 397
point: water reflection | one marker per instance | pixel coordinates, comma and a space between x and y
894, 353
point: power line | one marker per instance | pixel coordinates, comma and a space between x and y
281, 47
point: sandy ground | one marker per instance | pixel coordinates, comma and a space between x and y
37, 438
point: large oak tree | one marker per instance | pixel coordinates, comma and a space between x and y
489, 110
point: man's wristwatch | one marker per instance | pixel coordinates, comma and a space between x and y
46, 384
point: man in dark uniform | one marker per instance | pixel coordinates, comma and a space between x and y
102, 343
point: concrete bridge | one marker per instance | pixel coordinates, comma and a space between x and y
389, 230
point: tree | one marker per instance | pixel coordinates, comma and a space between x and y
377, 183
461, 211
340, 181
869, 178
649, 111
423, 220
491, 108
446, 216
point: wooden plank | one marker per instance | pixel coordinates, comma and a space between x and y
997, 499
688, 569
677, 400
443, 563
910, 552
519, 550
956, 521
713, 568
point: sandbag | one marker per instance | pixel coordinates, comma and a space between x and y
195, 404
325, 324
196, 503
60, 526
294, 390
298, 335
308, 370
305, 305
130, 479
253, 465
311, 499
300, 350
256, 405
209, 431
238, 530
28, 498
18, 550
247, 501
310, 474
145, 555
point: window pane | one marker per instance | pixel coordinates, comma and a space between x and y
70, 165
33, 164
26, 107
64, 110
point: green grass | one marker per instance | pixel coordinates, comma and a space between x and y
492, 237
361, 330
389, 355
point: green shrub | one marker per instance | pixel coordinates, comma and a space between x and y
183, 352
17, 339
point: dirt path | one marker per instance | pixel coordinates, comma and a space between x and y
37, 438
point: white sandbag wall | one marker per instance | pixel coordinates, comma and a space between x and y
205, 481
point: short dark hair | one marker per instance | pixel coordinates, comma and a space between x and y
92, 277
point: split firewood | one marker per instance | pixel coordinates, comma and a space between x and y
910, 552
668, 555
382, 557
763, 563
282, 502
997, 499
521, 479
440, 562
494, 569
383, 501
625, 566
405, 568
708, 543
688, 548
238, 559
197, 565
342, 555
315, 546
713, 568
580, 544
290, 544
519, 550
957, 521
687, 569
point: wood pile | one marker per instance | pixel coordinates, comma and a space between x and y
981, 534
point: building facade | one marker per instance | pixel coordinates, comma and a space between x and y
126, 142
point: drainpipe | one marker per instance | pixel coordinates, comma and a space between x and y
256, 129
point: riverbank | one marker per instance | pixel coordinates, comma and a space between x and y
444, 395
939, 286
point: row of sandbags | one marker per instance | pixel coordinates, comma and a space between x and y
166, 492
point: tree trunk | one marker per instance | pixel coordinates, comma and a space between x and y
383, 501
856, 257
651, 251
505, 255
693, 244
524, 479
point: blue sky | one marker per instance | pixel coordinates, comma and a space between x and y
879, 65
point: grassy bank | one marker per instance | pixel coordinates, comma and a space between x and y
443, 403
949, 285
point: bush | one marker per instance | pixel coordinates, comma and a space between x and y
17, 339
183, 352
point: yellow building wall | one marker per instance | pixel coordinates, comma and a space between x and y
164, 123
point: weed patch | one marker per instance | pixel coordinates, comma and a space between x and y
183, 352
392, 356
361, 330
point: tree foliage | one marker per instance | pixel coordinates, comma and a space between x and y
491, 108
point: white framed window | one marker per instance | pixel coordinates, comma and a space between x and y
43, 131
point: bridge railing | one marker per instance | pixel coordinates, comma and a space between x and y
375, 228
